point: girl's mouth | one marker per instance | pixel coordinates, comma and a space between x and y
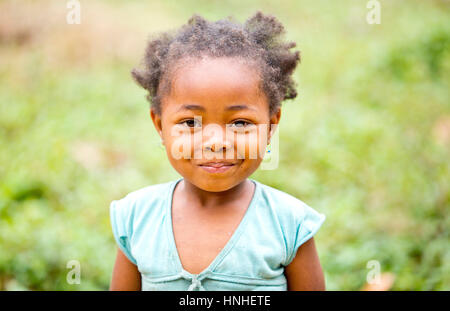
216, 167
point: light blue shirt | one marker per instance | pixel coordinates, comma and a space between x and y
266, 240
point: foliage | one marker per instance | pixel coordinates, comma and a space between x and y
367, 141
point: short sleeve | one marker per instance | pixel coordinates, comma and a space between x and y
307, 222
120, 227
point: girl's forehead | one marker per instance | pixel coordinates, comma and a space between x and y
219, 79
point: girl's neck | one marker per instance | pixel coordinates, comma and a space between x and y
208, 199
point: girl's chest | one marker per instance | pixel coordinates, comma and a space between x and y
201, 237
243, 243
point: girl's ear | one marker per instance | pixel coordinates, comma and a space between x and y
156, 118
274, 120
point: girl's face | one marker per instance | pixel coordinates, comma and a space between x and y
215, 123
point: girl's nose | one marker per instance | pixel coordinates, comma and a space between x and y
216, 144
216, 141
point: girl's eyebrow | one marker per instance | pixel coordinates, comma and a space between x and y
198, 107
239, 107
191, 107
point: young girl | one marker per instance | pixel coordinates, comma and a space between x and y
214, 228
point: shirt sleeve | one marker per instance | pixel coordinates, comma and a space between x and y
120, 224
306, 223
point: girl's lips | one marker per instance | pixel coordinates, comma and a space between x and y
216, 167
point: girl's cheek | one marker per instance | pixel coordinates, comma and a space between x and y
250, 146
180, 145
257, 142
196, 146
186, 144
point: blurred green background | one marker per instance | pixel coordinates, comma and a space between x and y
366, 142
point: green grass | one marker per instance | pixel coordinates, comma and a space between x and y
366, 142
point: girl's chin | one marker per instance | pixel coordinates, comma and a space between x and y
215, 188
216, 184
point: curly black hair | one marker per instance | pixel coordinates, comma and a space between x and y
259, 39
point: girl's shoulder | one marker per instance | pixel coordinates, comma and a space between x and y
149, 199
282, 200
148, 193
296, 220
144, 206
288, 208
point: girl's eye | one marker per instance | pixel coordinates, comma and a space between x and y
241, 125
191, 123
